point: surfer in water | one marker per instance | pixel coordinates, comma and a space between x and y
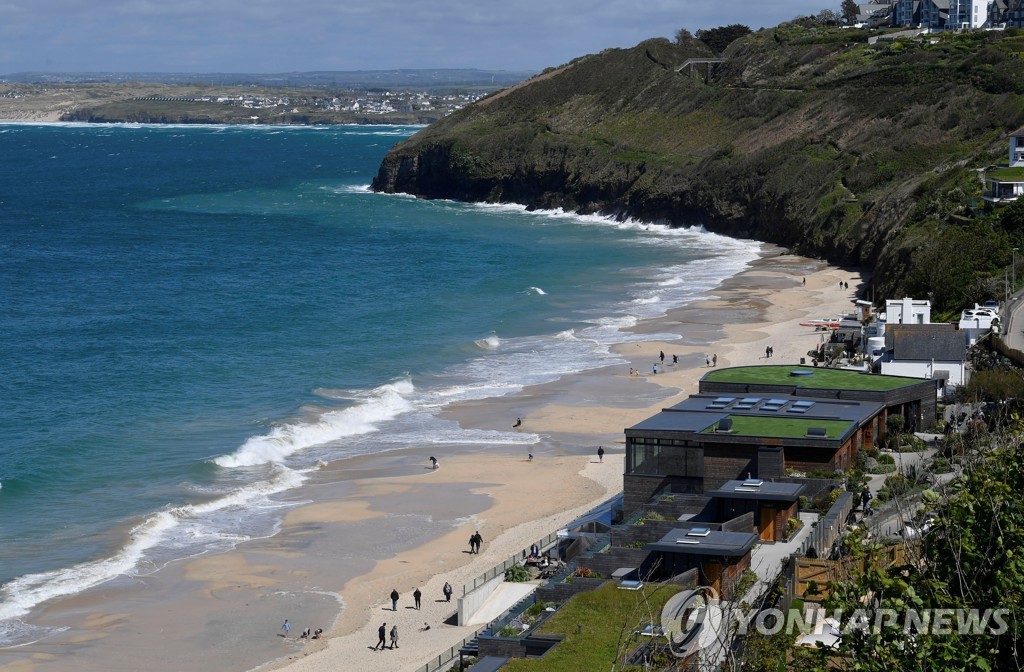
434, 464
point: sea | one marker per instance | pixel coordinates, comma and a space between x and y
193, 318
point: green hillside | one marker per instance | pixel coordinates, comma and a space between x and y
808, 137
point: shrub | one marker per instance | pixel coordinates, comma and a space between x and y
941, 465
509, 631
886, 459
517, 574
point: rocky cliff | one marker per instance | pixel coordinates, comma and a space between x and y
808, 137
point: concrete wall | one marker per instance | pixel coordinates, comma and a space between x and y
469, 604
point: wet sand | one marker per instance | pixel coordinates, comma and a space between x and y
366, 525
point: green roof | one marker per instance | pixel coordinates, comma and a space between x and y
782, 428
820, 378
1015, 174
607, 615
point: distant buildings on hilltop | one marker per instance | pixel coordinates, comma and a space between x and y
942, 14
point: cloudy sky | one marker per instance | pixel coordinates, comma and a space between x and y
303, 35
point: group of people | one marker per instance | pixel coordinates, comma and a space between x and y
382, 633
768, 351
308, 633
476, 539
711, 361
844, 285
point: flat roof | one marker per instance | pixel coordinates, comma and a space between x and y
819, 378
695, 541
783, 428
766, 490
766, 415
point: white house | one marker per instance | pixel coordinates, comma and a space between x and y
908, 311
968, 14
1004, 184
931, 351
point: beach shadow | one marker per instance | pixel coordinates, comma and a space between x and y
440, 600
468, 552
410, 607
453, 619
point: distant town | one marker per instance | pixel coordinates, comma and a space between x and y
385, 97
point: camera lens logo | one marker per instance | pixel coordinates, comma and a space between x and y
689, 617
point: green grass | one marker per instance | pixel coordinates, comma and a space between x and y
821, 379
607, 615
782, 428
1015, 174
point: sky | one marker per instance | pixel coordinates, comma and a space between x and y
272, 36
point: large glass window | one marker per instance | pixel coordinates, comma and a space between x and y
665, 457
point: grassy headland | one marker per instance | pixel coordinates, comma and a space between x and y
812, 138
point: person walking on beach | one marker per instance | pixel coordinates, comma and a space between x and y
382, 635
661, 354
416, 595
447, 590
714, 360
394, 600
394, 636
287, 628
675, 360
600, 454
707, 362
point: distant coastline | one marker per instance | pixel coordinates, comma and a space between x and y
401, 97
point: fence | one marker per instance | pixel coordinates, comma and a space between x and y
443, 660
505, 566
1003, 349
829, 526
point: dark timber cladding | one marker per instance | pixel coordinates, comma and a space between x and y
759, 422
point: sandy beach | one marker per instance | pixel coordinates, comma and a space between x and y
365, 526
758, 308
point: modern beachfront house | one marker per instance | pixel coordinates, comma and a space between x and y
760, 421
1005, 184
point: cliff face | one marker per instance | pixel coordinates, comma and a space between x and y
858, 153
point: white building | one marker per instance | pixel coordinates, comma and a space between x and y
908, 311
931, 351
968, 14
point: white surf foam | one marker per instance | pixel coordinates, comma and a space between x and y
490, 343
537, 290
379, 405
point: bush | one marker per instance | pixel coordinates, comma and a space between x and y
895, 423
886, 459
792, 525
517, 574
941, 465
897, 484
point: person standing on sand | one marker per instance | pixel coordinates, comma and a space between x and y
433, 462
382, 634
394, 600
661, 354
394, 636
600, 454
707, 362
287, 627
714, 360
447, 590
416, 595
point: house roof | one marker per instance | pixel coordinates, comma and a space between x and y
810, 378
719, 418
926, 342
694, 541
765, 491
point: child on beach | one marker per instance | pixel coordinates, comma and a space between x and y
287, 628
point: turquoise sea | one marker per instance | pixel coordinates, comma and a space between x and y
193, 317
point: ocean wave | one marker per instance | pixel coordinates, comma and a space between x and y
379, 405
181, 527
490, 343
536, 290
